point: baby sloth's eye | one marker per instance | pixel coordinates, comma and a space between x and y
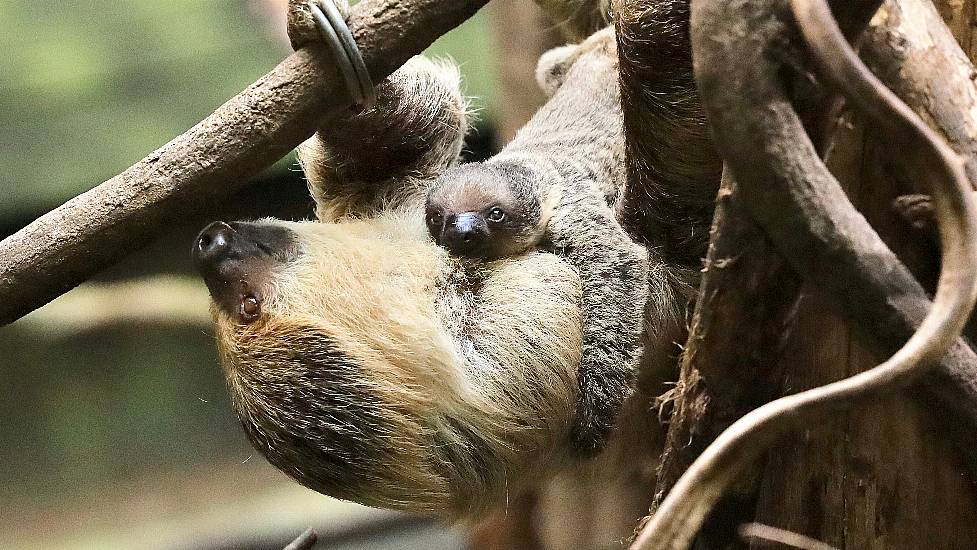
496, 215
434, 218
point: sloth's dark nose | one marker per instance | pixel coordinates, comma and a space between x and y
466, 234
213, 244
236, 261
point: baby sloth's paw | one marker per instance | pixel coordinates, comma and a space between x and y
600, 402
553, 66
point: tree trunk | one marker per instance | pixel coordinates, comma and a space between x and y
883, 476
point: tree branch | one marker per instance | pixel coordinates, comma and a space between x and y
731, 363
305, 541
912, 51
723, 375
211, 160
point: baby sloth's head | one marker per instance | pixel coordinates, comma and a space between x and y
486, 211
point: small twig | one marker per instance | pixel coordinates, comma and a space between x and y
211, 160
766, 533
305, 541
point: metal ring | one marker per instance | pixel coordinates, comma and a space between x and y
352, 52
337, 35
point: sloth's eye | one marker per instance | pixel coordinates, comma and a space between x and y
496, 215
250, 308
434, 218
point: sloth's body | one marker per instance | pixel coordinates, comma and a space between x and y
378, 373
367, 363
554, 186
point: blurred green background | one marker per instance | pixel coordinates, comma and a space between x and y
88, 88
115, 430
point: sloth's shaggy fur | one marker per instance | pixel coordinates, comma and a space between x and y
383, 371
558, 182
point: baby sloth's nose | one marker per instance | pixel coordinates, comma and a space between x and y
466, 234
213, 244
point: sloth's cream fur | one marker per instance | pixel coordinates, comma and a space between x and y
383, 372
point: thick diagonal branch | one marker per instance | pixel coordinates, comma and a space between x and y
211, 160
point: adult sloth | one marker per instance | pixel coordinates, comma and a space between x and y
366, 362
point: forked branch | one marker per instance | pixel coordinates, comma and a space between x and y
912, 51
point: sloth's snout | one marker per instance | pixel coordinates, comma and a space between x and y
213, 243
466, 234
236, 261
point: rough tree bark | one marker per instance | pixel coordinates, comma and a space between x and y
733, 357
799, 487
894, 478
959, 16
211, 160
919, 59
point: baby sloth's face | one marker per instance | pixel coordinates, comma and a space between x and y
484, 211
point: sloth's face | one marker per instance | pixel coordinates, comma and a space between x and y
483, 211
237, 261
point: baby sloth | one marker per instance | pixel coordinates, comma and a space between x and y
486, 211
554, 187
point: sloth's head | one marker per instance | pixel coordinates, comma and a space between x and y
485, 210
359, 368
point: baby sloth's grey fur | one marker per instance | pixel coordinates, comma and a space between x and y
555, 187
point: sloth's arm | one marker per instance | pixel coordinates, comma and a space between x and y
363, 163
575, 146
614, 277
